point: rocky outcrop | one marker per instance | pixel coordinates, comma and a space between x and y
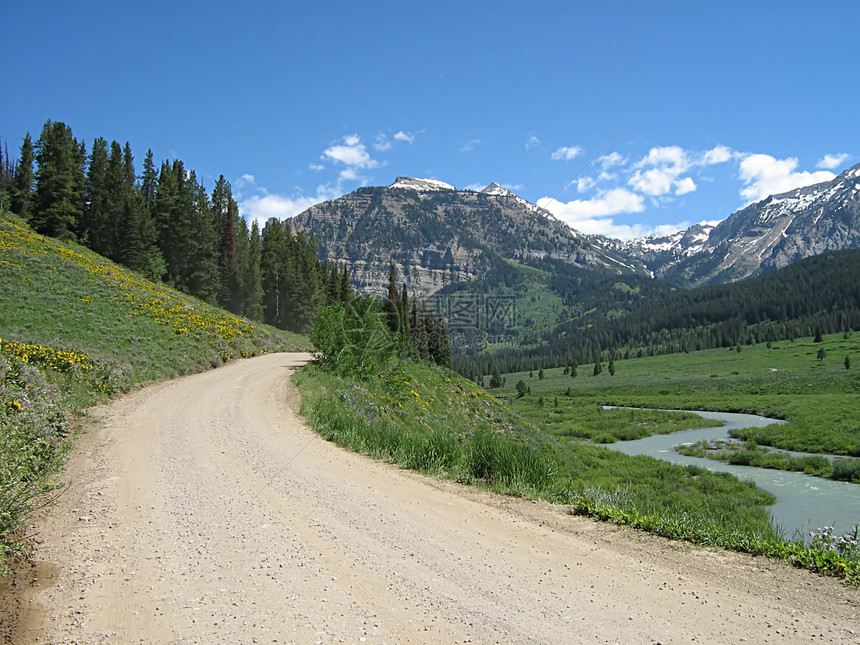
435, 234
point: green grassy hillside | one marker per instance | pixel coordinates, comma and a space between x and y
429, 419
75, 327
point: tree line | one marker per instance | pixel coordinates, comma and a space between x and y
820, 294
165, 225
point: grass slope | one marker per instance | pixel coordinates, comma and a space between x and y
75, 327
426, 418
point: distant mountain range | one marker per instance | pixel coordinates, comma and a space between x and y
436, 234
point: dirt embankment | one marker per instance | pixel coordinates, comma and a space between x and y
201, 510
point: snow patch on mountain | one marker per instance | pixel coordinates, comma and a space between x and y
421, 185
500, 191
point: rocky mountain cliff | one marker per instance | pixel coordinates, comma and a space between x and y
658, 252
775, 232
436, 234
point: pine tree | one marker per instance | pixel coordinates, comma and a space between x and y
252, 281
202, 270
345, 285
274, 248
225, 214
7, 175
23, 184
149, 184
59, 182
93, 224
114, 193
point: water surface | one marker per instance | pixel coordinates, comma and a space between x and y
803, 502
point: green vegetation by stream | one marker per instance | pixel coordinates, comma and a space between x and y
817, 397
379, 402
750, 454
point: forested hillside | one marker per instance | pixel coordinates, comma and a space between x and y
814, 296
164, 224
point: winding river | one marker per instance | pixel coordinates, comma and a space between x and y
803, 502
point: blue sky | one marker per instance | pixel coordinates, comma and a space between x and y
689, 110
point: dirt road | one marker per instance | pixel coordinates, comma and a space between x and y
201, 510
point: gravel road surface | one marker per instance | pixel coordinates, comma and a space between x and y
202, 510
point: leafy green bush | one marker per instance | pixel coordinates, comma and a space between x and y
847, 470
353, 338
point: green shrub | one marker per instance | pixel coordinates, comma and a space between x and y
847, 470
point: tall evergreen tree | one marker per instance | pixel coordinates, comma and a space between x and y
92, 230
274, 249
149, 184
23, 184
225, 215
59, 182
201, 262
250, 269
7, 175
391, 304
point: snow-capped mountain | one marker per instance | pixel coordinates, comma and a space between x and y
777, 231
658, 253
501, 191
437, 234
421, 185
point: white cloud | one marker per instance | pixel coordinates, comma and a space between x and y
664, 166
829, 162
348, 174
351, 153
316, 167
717, 154
566, 153
382, 143
408, 137
610, 202
764, 175
260, 208
684, 186
245, 180
470, 145
533, 142
593, 217
585, 183
661, 170
612, 159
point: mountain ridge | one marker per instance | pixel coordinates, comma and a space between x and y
436, 234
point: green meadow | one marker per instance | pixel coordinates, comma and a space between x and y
803, 382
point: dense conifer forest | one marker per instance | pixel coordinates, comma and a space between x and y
164, 224
643, 317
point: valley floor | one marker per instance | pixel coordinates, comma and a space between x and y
202, 510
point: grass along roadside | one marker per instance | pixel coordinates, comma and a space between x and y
76, 328
431, 420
